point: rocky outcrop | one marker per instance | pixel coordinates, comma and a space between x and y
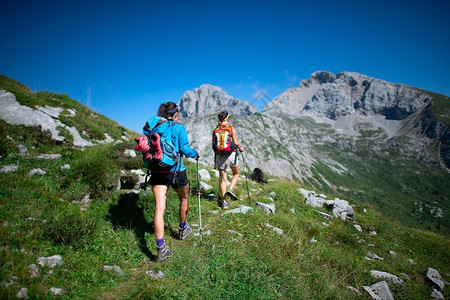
209, 99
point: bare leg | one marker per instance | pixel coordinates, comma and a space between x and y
184, 203
223, 183
159, 192
235, 177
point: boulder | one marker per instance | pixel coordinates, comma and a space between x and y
9, 168
435, 278
315, 201
242, 209
268, 208
51, 261
386, 276
204, 175
379, 291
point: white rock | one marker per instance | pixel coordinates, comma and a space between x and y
242, 209
49, 156
204, 174
358, 227
22, 293
9, 168
268, 208
379, 291
276, 229
435, 278
205, 187
51, 261
129, 153
155, 274
386, 276
36, 172
56, 291
437, 295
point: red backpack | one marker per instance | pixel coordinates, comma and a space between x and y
223, 143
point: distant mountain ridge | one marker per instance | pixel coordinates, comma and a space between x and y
337, 132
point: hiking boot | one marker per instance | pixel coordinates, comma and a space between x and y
184, 232
156, 146
231, 194
163, 253
223, 204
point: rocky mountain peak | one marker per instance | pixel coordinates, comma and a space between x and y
209, 99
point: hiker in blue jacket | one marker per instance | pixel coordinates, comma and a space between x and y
176, 177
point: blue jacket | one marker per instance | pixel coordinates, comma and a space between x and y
181, 143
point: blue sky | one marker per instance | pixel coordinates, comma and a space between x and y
134, 55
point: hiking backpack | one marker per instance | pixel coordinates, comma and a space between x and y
222, 140
157, 144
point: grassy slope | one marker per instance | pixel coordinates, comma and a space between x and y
39, 218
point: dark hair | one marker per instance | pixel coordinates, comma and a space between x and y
222, 116
167, 110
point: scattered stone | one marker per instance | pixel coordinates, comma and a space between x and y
342, 210
56, 291
213, 212
374, 256
72, 112
411, 261
268, 208
277, 230
115, 268
358, 227
34, 271
353, 289
23, 151
435, 278
315, 201
208, 232
85, 201
379, 291
273, 194
373, 233
49, 156
129, 153
324, 215
437, 295
155, 274
65, 167
235, 232
322, 196
292, 210
392, 253
242, 209
305, 193
204, 175
36, 172
386, 276
22, 293
205, 187
9, 168
313, 240
50, 261
12, 280
324, 224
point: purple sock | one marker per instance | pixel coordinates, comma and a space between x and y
182, 225
159, 243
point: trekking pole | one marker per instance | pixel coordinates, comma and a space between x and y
246, 180
199, 206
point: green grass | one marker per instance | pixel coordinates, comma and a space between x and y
40, 216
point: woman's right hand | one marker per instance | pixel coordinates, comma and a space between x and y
198, 153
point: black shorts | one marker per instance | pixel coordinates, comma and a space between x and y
175, 180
